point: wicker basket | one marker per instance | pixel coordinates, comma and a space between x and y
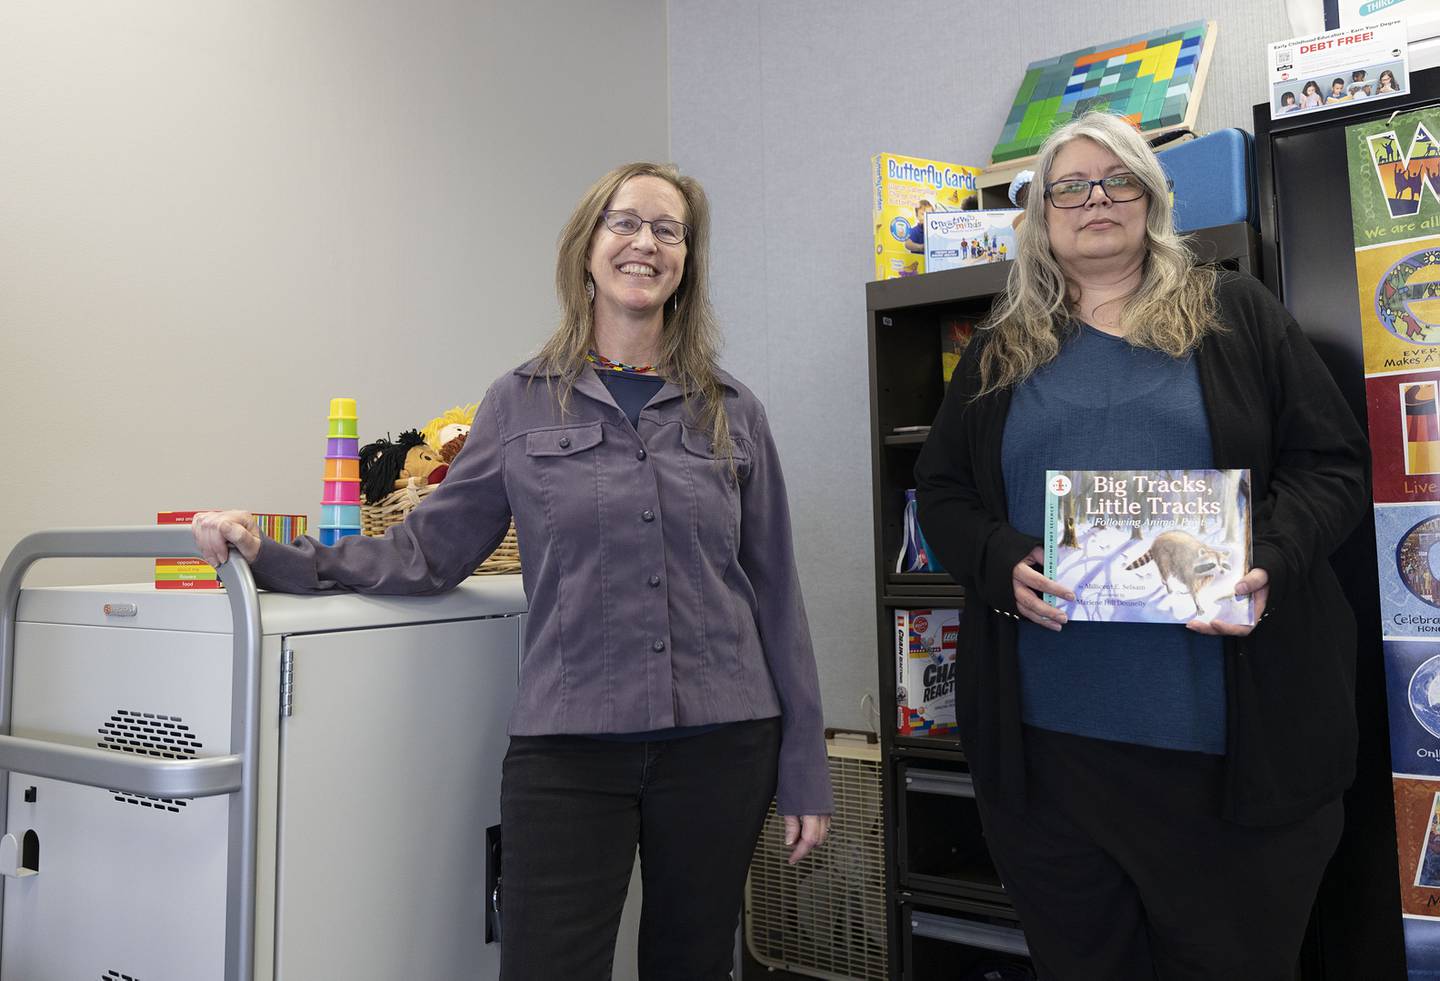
392, 509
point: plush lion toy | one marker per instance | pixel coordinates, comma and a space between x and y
387, 466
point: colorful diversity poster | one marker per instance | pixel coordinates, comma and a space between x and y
1412, 681
1394, 166
1404, 413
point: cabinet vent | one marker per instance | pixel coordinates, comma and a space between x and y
148, 734
825, 918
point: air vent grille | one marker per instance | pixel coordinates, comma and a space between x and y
149, 734
117, 976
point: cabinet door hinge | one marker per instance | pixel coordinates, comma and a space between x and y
287, 681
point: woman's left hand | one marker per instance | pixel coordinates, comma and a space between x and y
805, 833
1257, 584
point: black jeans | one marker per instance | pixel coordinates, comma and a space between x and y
572, 812
1121, 868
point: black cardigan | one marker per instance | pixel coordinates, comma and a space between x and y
1290, 685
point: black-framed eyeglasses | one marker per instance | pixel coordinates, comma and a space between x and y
1074, 192
666, 230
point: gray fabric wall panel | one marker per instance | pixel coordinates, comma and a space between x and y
777, 107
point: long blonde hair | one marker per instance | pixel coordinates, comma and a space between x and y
1170, 311
690, 335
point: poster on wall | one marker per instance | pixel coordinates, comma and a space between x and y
1412, 682
1417, 838
1404, 413
1323, 71
1407, 551
1394, 171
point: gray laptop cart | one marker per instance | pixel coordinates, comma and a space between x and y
206, 785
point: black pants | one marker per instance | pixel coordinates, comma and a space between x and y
1120, 867
572, 812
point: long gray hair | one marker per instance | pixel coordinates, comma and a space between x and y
1170, 311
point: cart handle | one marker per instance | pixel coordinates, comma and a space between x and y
105, 768
209, 776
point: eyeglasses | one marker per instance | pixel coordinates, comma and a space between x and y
666, 230
1075, 192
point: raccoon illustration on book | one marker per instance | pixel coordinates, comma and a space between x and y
1106, 529
1187, 560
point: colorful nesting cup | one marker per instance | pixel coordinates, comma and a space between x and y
339, 516
341, 492
329, 536
342, 468
342, 408
348, 428
342, 446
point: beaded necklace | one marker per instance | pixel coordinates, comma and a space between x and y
603, 363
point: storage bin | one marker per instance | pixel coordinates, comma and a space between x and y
950, 947
941, 845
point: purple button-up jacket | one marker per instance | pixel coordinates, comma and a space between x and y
662, 589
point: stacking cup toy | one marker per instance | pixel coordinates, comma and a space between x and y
341, 492
342, 468
339, 516
340, 508
329, 536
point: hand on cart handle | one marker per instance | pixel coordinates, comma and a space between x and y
216, 531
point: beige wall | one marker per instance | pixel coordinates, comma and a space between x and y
216, 215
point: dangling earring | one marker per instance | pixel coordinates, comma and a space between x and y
589, 289
675, 302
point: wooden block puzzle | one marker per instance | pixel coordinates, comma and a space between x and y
1154, 80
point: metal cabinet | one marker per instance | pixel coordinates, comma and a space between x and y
364, 765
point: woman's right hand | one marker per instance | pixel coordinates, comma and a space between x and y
216, 531
1029, 583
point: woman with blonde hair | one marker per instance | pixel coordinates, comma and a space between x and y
1160, 800
668, 689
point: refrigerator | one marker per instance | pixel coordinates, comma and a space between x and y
235, 785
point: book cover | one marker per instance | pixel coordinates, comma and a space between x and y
959, 239
925, 671
903, 191
955, 335
1149, 546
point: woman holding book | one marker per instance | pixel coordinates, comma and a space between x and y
1160, 799
668, 689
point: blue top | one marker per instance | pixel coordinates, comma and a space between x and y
1104, 405
630, 390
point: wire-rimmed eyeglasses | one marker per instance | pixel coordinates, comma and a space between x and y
666, 230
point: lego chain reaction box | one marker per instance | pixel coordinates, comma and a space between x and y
904, 190
925, 671
192, 573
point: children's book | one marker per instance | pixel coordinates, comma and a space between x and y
1149, 546
955, 335
925, 671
